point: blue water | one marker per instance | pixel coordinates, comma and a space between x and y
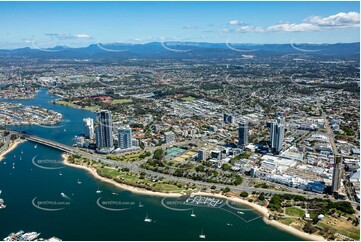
81, 218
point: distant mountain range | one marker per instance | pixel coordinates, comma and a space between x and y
191, 50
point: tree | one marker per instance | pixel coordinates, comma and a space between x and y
226, 167
158, 154
200, 168
244, 194
308, 228
226, 189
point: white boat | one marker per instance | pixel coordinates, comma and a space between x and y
240, 212
147, 219
228, 224
14, 156
140, 205
99, 191
4, 162
35, 146
30, 236
79, 182
202, 235
13, 165
193, 214
115, 194
20, 158
22, 152
60, 174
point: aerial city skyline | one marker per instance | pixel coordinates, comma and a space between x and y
180, 121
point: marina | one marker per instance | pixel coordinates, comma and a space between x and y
29, 236
205, 201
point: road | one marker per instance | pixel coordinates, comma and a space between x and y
135, 167
328, 129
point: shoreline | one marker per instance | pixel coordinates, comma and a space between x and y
11, 147
260, 209
265, 213
137, 190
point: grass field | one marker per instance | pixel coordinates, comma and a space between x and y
72, 105
295, 212
131, 177
342, 227
286, 221
189, 99
65, 103
92, 108
120, 101
126, 158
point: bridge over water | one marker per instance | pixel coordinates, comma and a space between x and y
46, 142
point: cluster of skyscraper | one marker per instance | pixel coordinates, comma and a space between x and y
103, 132
277, 132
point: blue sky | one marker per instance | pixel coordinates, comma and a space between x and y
47, 24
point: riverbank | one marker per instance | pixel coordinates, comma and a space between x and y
260, 209
11, 147
117, 184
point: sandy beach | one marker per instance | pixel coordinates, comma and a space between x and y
12, 146
260, 209
120, 185
264, 211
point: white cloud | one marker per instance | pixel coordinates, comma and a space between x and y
235, 22
302, 27
248, 28
342, 20
313, 23
190, 27
82, 36
68, 36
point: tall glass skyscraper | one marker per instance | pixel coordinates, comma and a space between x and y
125, 137
88, 128
104, 134
242, 133
277, 134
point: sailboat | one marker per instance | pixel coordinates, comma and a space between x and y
60, 174
202, 235
79, 182
147, 219
193, 214
140, 205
